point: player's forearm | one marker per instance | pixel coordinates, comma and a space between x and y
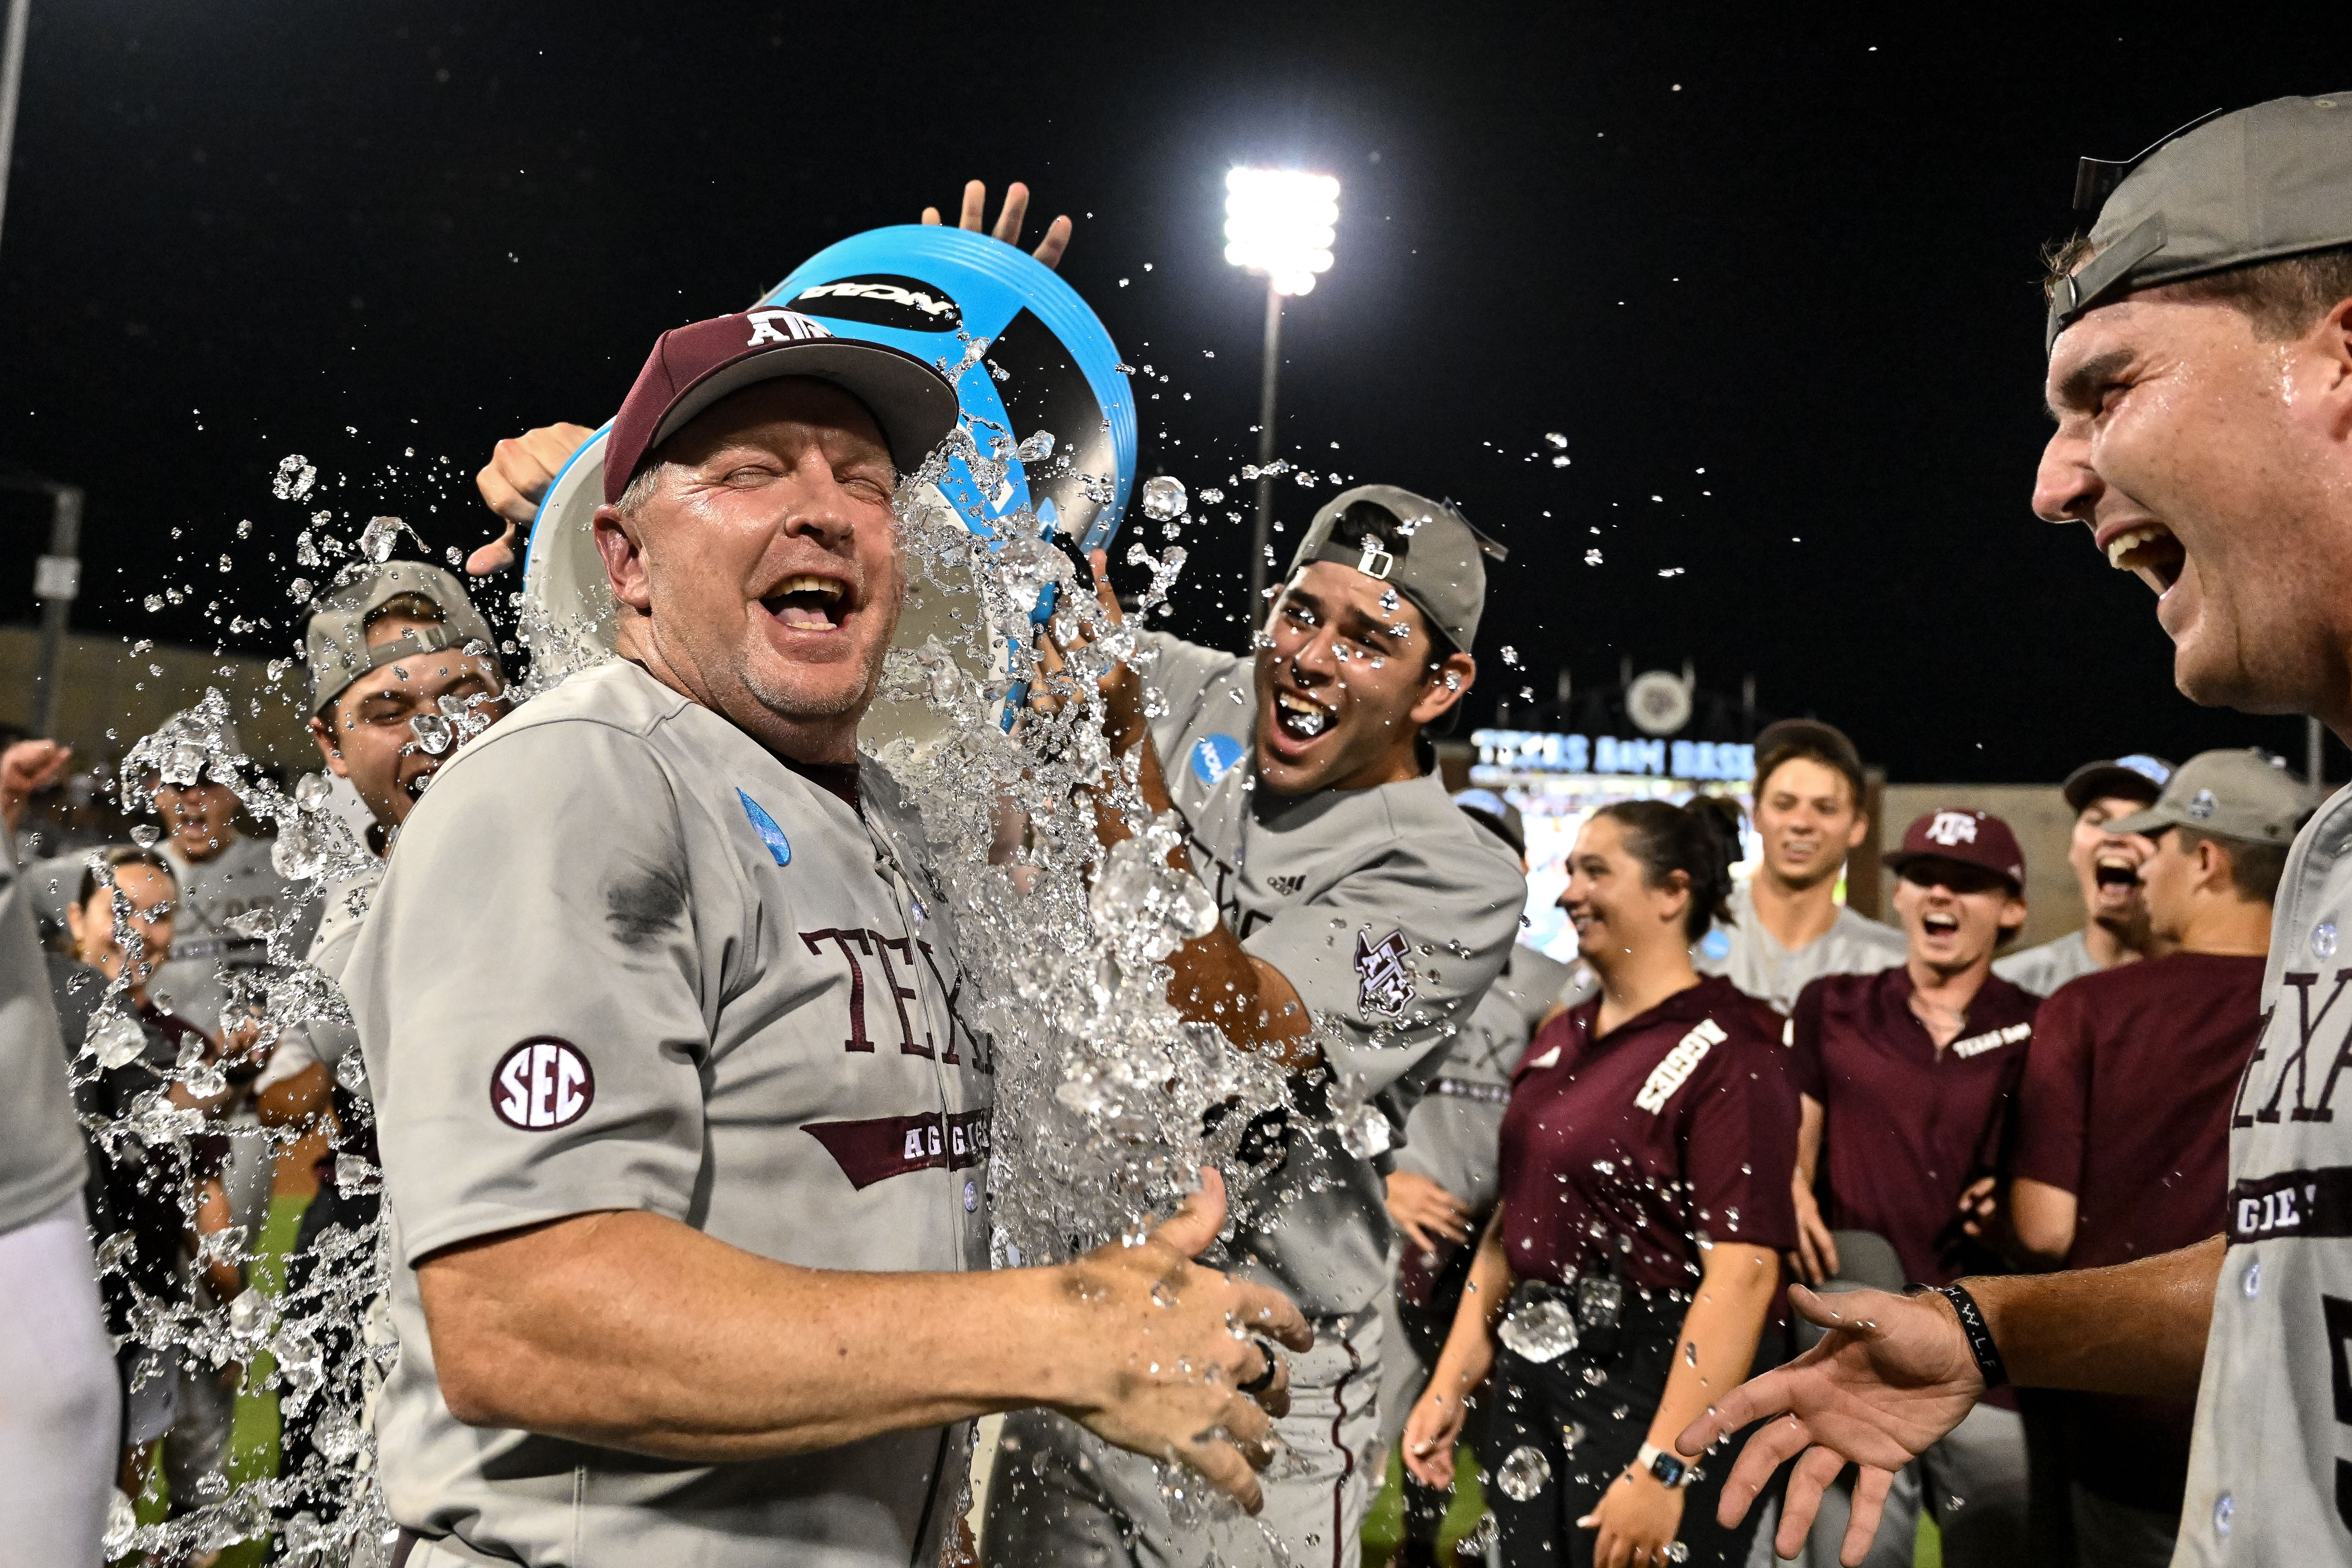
1717, 1343
2042, 1220
1469, 1353
633, 1331
2138, 1327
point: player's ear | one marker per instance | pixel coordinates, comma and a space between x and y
1859, 831
624, 559
325, 739
2331, 338
1436, 695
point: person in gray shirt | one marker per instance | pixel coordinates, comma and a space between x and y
2107, 869
2201, 381
1363, 918
684, 1140
62, 1410
1787, 927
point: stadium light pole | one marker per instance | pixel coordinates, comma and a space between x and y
1279, 223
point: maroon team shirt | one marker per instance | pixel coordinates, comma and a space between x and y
2127, 1105
1618, 1152
1906, 1128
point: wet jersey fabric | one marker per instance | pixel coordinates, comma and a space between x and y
2042, 968
2126, 1104
214, 895
1752, 959
625, 958
1618, 1154
1905, 1127
1387, 910
41, 1162
2270, 1470
1452, 1135
342, 912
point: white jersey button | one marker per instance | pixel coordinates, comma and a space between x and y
2252, 1284
2222, 1510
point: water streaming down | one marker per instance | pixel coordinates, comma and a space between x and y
1107, 1102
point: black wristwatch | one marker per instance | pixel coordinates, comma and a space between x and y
1670, 1470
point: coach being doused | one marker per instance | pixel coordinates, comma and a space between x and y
685, 1143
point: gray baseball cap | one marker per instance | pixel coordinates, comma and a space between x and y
2139, 776
1425, 549
337, 645
2231, 794
2254, 185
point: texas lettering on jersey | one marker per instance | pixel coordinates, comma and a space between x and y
856, 945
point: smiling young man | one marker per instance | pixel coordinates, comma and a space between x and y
684, 1140
1787, 926
1907, 1078
1364, 916
402, 668
2201, 373
2106, 870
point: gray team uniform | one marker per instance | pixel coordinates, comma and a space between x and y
236, 881
2044, 968
1454, 1135
1389, 912
42, 1165
1754, 961
627, 958
343, 914
2270, 1467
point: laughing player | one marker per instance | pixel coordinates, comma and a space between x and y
1364, 916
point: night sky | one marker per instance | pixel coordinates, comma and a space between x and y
1776, 284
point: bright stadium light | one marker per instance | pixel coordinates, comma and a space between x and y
1279, 223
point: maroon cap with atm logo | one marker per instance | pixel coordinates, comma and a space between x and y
695, 365
1971, 838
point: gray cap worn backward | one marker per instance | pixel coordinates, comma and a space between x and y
1425, 549
2231, 794
2258, 185
336, 642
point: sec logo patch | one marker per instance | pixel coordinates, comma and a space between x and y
542, 1084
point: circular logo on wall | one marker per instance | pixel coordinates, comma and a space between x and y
542, 1084
1657, 702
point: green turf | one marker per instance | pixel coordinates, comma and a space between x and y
253, 1431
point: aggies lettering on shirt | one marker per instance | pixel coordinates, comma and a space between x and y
1677, 1122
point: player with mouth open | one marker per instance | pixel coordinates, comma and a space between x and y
1364, 918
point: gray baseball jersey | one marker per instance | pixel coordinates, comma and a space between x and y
214, 893
342, 912
1387, 910
1455, 1134
2270, 1467
1754, 960
2042, 969
41, 1162
627, 958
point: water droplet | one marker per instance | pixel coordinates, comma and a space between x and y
145, 835
432, 732
379, 536
1163, 498
1523, 1473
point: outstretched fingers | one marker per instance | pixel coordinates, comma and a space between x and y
1222, 1463
1751, 1401
1758, 1458
1196, 1224
1807, 1479
1870, 1487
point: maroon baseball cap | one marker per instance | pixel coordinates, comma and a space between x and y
1971, 838
695, 365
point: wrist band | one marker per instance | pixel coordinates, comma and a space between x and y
1670, 1472
1989, 1365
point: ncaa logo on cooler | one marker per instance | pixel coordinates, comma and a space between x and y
542, 1084
1953, 827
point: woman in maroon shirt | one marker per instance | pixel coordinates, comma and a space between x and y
1626, 1278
